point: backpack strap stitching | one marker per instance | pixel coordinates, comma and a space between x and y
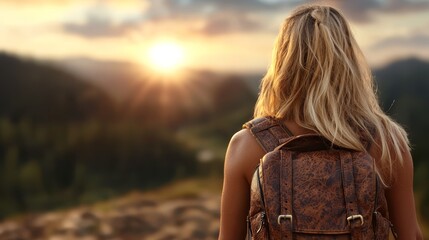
350, 195
285, 219
268, 132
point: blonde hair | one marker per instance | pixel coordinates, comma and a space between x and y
319, 79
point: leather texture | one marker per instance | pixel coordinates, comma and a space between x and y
306, 188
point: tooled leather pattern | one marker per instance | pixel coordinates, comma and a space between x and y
318, 194
318, 200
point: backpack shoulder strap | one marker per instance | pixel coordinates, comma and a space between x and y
268, 131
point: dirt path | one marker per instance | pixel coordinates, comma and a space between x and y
138, 216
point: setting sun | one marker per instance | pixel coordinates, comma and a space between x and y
165, 56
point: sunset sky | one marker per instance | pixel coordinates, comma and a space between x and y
218, 35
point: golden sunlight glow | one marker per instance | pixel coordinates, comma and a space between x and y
166, 56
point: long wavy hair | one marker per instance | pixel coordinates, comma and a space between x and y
319, 79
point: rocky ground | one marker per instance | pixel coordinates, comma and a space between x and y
139, 216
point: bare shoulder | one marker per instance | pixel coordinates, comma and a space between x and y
400, 196
401, 169
243, 153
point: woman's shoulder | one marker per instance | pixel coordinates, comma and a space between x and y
243, 145
243, 153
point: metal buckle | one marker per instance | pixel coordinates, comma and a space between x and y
353, 217
287, 216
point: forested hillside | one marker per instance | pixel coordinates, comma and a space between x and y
64, 141
41, 93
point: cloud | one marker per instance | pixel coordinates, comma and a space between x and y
217, 17
107, 19
73, 2
98, 27
360, 11
36, 2
241, 5
416, 41
355, 10
227, 23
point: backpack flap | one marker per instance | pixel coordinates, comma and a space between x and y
306, 187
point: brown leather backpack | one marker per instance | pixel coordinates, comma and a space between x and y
307, 188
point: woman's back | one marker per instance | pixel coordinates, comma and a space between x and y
319, 82
244, 154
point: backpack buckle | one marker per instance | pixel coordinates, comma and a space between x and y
353, 217
287, 216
